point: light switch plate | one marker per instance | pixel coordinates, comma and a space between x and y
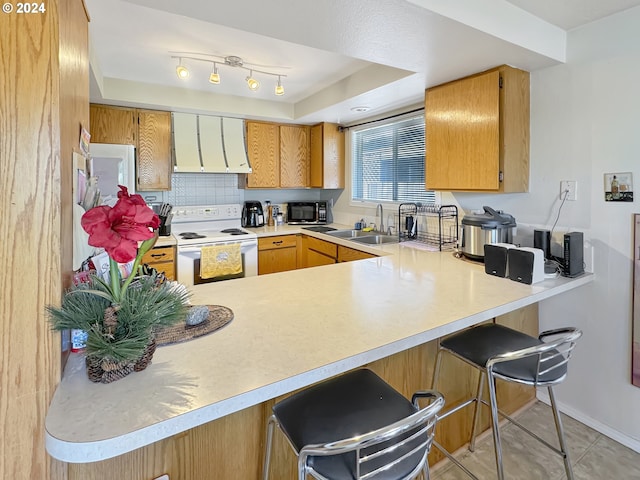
162, 477
571, 187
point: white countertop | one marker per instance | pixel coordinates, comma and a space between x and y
289, 330
166, 241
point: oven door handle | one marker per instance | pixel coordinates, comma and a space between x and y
197, 247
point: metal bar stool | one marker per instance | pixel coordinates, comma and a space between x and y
356, 426
501, 352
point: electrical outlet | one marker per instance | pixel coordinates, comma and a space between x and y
571, 187
162, 477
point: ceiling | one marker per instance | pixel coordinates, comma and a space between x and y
335, 57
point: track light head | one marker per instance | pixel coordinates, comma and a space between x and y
252, 83
214, 77
279, 87
181, 71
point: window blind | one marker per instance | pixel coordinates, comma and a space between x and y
388, 162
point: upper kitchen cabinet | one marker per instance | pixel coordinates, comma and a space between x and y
147, 130
154, 150
115, 125
263, 148
279, 156
294, 156
327, 156
477, 133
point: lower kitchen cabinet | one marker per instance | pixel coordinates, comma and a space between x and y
277, 254
163, 259
346, 254
316, 252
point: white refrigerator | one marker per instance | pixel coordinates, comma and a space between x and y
113, 165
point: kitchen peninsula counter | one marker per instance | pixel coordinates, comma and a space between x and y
289, 330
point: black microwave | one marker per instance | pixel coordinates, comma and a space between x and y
306, 213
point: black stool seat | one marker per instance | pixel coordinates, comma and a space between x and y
478, 344
344, 407
499, 352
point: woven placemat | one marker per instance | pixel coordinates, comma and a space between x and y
218, 317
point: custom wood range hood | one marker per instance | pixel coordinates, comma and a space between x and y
209, 144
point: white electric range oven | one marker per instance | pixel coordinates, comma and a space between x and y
197, 226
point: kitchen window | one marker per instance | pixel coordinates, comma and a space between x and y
388, 162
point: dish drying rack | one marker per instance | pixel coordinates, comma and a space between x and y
434, 225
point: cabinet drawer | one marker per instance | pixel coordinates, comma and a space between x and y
168, 268
327, 248
159, 254
281, 241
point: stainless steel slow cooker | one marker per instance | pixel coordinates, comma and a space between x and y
485, 228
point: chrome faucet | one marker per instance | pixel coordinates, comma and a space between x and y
381, 224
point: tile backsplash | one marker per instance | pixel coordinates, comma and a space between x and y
221, 188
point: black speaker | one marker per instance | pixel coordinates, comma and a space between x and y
495, 258
573, 264
542, 240
526, 265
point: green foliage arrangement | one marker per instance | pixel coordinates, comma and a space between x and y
120, 315
119, 332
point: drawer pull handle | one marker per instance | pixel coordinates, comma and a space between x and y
278, 242
158, 255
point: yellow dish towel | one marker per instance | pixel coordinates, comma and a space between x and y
218, 260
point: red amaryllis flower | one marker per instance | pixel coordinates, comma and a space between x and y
119, 229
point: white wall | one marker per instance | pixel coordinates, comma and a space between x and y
585, 121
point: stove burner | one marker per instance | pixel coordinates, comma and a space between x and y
234, 231
191, 235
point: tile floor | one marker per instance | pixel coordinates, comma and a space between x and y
593, 455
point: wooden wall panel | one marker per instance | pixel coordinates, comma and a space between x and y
40, 114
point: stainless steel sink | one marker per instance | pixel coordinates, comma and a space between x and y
376, 239
350, 234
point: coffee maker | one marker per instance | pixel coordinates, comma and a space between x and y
252, 214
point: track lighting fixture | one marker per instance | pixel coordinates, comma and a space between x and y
230, 61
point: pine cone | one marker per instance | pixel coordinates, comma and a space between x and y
110, 320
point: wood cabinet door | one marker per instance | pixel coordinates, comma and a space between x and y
346, 254
316, 166
327, 156
263, 144
277, 260
315, 259
294, 156
154, 150
114, 125
462, 138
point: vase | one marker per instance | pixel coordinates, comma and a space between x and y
101, 370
